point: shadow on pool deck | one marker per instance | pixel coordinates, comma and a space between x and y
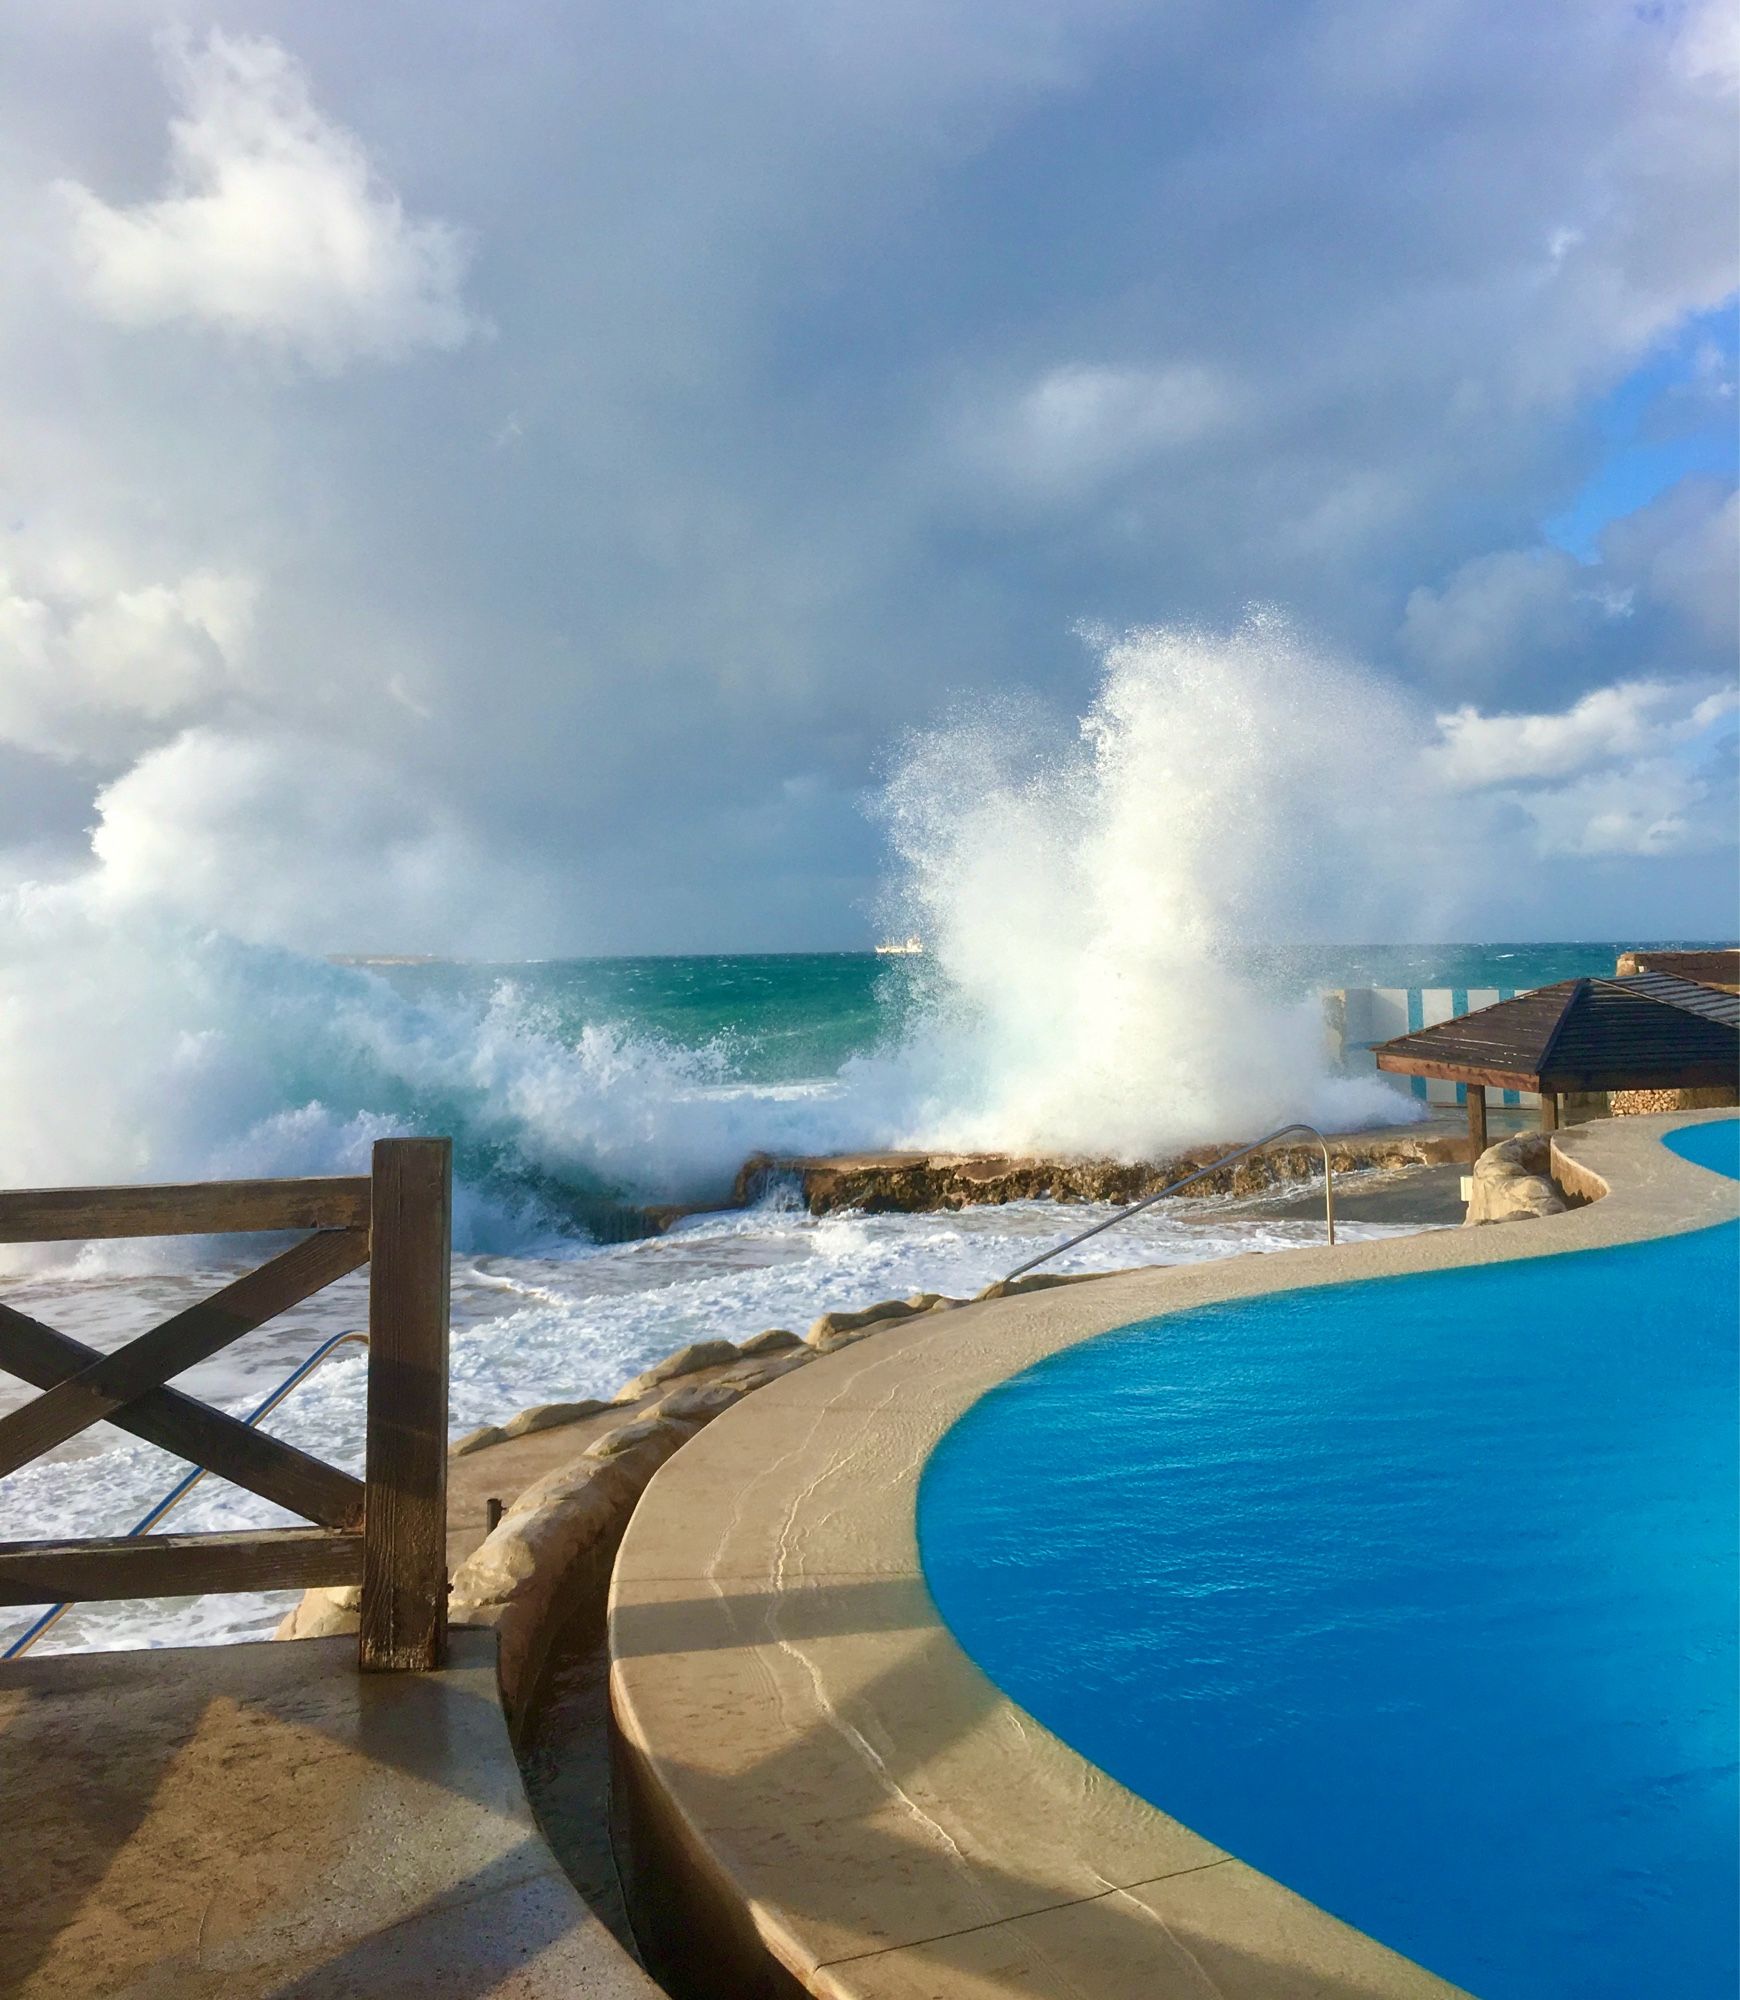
248, 1820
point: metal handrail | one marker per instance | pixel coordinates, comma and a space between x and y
176, 1494
1172, 1187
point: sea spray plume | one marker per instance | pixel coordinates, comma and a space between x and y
1090, 906
135, 1047
1087, 900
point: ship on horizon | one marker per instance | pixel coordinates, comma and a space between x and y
909, 947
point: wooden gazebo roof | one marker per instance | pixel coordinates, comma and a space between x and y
1646, 1030
1719, 966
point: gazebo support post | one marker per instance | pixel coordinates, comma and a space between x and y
1549, 1111
1476, 1121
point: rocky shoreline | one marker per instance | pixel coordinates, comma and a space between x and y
910, 1183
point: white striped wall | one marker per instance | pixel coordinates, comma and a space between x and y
1377, 1013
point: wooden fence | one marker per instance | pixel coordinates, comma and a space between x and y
386, 1531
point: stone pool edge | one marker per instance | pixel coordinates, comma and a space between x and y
819, 1793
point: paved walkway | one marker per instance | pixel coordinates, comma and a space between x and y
244, 1821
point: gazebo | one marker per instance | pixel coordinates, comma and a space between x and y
1718, 966
1643, 1031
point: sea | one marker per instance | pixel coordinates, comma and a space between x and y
577, 1092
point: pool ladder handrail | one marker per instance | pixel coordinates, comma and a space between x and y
179, 1492
1201, 1173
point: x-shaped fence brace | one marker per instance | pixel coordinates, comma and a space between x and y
386, 1531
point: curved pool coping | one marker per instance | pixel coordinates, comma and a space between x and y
817, 1792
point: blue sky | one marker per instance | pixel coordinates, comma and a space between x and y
1666, 422
522, 481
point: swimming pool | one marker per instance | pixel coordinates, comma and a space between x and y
1418, 1594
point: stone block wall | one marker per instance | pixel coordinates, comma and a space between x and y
1650, 1103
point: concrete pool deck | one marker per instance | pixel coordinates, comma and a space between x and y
222, 1822
818, 1792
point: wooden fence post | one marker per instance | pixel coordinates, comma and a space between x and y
404, 1591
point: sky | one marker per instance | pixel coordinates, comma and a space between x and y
508, 480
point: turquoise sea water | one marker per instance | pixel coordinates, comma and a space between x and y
800, 1015
1417, 1594
769, 1018
578, 1090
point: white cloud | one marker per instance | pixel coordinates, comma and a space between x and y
1083, 423
1623, 771
275, 227
1649, 808
1658, 599
1691, 565
856, 354
296, 840
1475, 750
90, 667
1707, 51
1503, 612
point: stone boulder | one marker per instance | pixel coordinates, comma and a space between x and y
840, 1329
688, 1360
752, 1374
324, 1613
1512, 1182
572, 1517
546, 1416
1041, 1281
626, 1437
776, 1340
700, 1402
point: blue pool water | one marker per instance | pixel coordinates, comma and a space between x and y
1418, 1594
1716, 1146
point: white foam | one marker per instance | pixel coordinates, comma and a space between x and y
532, 1330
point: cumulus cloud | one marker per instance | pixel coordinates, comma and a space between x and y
1500, 611
1650, 808
847, 359
1081, 424
1642, 768
275, 227
1605, 725
1686, 552
91, 668
1661, 593
296, 841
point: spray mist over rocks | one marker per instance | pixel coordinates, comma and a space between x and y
1106, 915
137, 1047
1092, 902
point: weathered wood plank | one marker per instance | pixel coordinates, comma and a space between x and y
1631, 1076
189, 1429
200, 1208
1456, 1072
177, 1344
176, 1565
404, 1597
